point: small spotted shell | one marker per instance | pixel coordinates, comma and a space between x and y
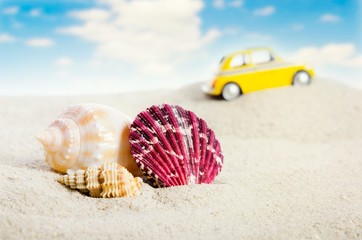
87, 135
108, 181
173, 146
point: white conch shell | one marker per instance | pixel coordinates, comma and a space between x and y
87, 135
108, 181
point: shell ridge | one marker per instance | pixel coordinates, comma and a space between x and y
126, 179
214, 169
66, 157
80, 180
208, 157
94, 140
149, 134
187, 140
152, 168
219, 158
213, 166
147, 160
194, 121
177, 144
203, 145
154, 114
122, 181
177, 118
93, 185
163, 117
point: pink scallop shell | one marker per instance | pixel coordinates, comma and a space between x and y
174, 147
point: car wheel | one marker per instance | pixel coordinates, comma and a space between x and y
301, 78
230, 91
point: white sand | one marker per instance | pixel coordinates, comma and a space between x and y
293, 170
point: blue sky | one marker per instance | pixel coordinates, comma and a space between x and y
102, 46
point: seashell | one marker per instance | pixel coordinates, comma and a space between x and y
108, 181
173, 146
87, 135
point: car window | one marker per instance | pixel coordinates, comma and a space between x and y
237, 61
261, 56
247, 59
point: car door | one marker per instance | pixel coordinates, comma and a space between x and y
240, 71
282, 72
264, 74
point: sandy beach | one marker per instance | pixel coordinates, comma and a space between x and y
292, 170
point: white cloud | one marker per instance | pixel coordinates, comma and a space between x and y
4, 37
330, 18
40, 42
11, 10
236, 3
146, 34
63, 61
96, 15
35, 12
341, 62
345, 55
221, 3
266, 11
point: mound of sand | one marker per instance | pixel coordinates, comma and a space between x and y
293, 164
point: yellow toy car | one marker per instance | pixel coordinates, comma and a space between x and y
255, 69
